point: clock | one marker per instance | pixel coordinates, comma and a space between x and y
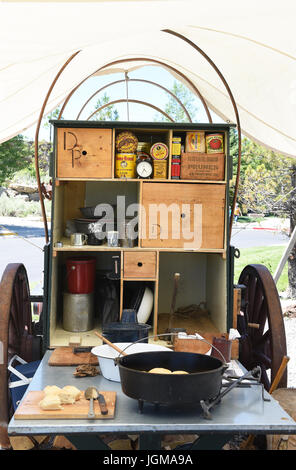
144, 168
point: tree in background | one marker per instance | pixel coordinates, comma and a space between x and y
109, 113
51, 116
173, 108
265, 181
13, 157
267, 185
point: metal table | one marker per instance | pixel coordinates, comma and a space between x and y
242, 410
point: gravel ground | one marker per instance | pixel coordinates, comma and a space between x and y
290, 328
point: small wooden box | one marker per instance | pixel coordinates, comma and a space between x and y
203, 166
84, 153
139, 265
201, 347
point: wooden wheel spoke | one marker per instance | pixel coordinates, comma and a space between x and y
16, 323
262, 359
259, 306
263, 340
265, 348
14, 326
251, 293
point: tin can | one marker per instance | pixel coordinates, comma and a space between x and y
214, 143
195, 141
176, 146
78, 312
160, 169
126, 142
175, 168
159, 151
125, 165
144, 147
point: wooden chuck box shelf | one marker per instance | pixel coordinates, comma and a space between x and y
84, 176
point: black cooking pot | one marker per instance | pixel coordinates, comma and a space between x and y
96, 232
203, 382
118, 332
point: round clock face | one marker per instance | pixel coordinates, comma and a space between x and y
144, 169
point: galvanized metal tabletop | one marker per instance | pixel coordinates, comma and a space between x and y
242, 410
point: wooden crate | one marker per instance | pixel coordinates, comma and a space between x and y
84, 153
191, 208
203, 166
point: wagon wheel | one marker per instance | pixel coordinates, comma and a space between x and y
262, 330
15, 334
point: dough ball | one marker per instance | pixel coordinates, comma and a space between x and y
51, 402
160, 370
180, 372
67, 395
52, 390
66, 398
71, 390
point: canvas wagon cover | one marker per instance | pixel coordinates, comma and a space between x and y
252, 43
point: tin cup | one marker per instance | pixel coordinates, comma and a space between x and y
113, 238
78, 239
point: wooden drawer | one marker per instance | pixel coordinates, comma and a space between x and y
139, 264
183, 215
203, 166
84, 153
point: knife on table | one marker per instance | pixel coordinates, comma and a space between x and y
102, 403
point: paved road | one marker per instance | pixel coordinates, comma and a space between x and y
248, 238
27, 246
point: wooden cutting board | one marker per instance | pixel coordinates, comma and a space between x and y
29, 408
64, 356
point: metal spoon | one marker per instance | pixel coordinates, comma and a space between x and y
91, 394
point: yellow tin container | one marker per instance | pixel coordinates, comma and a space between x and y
159, 151
125, 165
195, 141
144, 147
176, 146
160, 169
126, 142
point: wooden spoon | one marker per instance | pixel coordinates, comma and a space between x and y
110, 344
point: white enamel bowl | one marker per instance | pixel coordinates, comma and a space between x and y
106, 356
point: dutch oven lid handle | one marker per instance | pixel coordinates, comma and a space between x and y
171, 334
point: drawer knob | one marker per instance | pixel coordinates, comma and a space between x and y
140, 264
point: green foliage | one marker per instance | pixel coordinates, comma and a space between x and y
268, 256
109, 113
53, 115
27, 175
18, 207
173, 108
13, 157
265, 177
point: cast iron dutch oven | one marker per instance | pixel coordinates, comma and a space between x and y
203, 382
